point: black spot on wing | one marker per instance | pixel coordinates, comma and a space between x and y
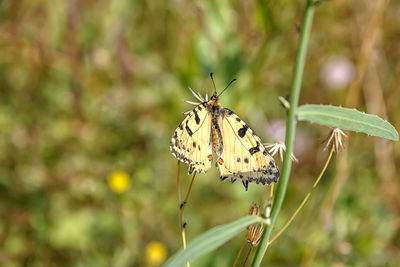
194, 144
180, 156
254, 149
242, 131
238, 119
196, 117
272, 165
189, 131
246, 160
185, 124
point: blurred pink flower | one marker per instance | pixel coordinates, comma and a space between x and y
337, 73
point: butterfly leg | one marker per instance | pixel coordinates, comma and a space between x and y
245, 184
191, 169
223, 178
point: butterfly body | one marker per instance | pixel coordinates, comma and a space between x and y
216, 135
210, 131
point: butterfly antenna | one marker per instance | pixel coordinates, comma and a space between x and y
212, 79
227, 87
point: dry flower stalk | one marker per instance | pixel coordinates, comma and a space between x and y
255, 231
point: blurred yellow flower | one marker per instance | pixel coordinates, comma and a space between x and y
119, 181
156, 253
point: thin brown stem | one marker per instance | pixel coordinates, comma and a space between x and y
189, 190
180, 203
240, 252
306, 197
182, 206
247, 256
182, 210
178, 179
271, 192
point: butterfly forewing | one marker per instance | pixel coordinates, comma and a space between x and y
244, 156
190, 142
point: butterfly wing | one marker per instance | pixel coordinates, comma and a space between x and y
190, 142
244, 157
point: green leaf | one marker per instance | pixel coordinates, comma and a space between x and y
211, 240
347, 119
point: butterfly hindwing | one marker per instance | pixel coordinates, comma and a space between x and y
190, 142
244, 157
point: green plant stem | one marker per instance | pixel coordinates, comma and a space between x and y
290, 127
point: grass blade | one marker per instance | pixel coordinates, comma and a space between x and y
211, 240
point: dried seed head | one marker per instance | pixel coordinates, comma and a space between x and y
254, 234
255, 231
279, 147
254, 209
336, 139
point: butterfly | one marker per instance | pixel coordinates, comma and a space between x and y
210, 131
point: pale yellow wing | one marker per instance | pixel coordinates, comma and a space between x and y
244, 157
190, 142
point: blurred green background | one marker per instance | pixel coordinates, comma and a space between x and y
91, 92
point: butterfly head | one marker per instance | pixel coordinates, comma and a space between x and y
215, 104
214, 98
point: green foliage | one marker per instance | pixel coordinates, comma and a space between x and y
295, 89
211, 240
347, 119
